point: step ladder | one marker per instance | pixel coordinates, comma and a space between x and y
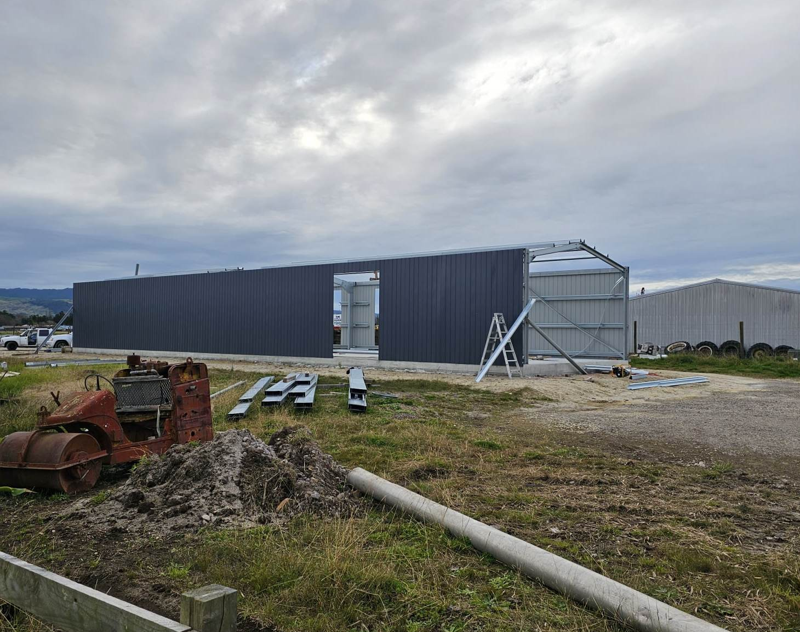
497, 331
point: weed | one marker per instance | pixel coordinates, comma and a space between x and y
177, 571
718, 469
101, 497
488, 444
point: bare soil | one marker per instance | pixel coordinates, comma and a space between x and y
236, 480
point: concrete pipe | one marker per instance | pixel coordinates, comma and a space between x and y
620, 602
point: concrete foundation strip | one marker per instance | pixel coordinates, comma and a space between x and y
591, 589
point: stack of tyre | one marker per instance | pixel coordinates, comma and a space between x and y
730, 349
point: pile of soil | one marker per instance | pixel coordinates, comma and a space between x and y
236, 480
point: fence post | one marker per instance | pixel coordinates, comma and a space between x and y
741, 336
210, 609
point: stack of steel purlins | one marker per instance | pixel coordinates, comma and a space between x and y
357, 395
240, 410
697, 379
305, 390
639, 374
276, 394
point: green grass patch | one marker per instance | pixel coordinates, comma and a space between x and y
487, 444
690, 362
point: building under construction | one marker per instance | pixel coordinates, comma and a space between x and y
434, 310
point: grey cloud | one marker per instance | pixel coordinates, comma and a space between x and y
202, 135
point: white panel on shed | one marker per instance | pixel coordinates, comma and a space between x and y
594, 300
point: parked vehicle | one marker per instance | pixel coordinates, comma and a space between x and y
31, 338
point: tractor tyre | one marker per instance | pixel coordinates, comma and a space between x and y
783, 351
678, 347
760, 351
706, 349
731, 349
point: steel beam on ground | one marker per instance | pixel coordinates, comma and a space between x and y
698, 379
357, 391
304, 382
306, 400
245, 401
276, 394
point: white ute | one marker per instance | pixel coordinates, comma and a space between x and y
31, 337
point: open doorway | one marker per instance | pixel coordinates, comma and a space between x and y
356, 312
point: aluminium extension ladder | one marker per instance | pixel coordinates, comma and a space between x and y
497, 331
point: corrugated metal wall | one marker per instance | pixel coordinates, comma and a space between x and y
433, 308
594, 299
712, 312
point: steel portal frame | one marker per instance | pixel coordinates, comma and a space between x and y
544, 254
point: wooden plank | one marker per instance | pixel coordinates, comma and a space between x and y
72, 607
210, 609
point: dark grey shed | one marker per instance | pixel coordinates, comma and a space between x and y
434, 308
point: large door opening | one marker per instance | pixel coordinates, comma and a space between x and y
356, 312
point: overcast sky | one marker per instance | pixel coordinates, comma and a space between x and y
196, 135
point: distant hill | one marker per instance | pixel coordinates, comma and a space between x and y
27, 301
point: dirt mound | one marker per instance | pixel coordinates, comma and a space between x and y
235, 480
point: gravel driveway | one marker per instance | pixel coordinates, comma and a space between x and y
759, 424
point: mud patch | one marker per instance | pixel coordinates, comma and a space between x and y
236, 480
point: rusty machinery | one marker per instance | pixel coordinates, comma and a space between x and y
153, 406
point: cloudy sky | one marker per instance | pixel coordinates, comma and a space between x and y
196, 135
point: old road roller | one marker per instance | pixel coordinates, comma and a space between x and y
150, 406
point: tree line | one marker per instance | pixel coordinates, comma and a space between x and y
7, 319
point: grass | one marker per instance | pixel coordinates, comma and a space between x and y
19, 413
690, 362
694, 537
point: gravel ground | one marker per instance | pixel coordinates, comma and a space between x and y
757, 423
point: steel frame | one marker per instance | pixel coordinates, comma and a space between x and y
542, 254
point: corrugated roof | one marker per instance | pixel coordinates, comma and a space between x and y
710, 282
